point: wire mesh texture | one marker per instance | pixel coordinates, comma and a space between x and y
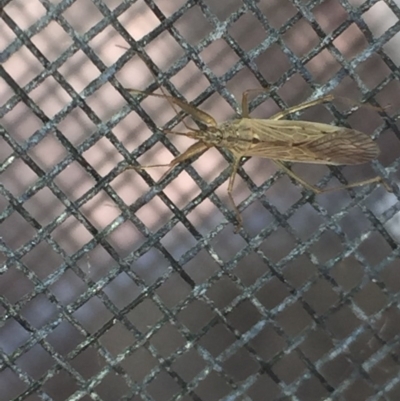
117, 287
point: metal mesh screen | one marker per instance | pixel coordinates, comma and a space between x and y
116, 287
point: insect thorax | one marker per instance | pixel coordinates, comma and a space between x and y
227, 134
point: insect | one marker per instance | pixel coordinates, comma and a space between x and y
273, 138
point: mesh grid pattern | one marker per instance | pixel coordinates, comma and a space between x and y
117, 287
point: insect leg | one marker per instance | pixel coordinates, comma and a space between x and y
232, 177
245, 100
301, 106
195, 149
194, 112
327, 98
317, 190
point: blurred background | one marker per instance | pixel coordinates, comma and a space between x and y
113, 287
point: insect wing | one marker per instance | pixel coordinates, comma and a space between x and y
308, 142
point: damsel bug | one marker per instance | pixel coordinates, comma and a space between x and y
276, 139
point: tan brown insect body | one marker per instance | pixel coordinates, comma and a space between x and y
279, 140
